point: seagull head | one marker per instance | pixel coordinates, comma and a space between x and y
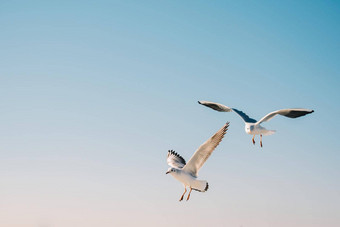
249, 128
170, 170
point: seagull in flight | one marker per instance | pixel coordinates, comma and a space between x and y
187, 173
254, 127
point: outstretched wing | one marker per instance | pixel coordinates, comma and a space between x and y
204, 151
216, 106
291, 113
244, 116
175, 160
222, 108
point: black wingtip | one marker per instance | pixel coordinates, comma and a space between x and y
199, 102
227, 125
172, 152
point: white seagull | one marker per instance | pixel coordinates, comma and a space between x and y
186, 173
252, 126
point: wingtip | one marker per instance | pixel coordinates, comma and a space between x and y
225, 128
227, 124
199, 102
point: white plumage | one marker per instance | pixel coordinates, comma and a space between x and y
252, 126
187, 173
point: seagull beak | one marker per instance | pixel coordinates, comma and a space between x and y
167, 172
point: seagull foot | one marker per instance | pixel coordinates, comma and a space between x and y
254, 142
183, 195
189, 194
261, 144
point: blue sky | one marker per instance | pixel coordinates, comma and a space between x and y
93, 94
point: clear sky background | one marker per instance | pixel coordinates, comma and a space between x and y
94, 93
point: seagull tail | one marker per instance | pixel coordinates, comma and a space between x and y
200, 185
269, 132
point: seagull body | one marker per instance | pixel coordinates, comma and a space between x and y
189, 180
254, 129
252, 126
187, 173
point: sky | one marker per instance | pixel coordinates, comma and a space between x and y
94, 93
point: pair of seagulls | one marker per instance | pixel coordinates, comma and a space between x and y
187, 173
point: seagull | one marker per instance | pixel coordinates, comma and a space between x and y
254, 127
187, 173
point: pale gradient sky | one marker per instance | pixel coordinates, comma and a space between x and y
93, 94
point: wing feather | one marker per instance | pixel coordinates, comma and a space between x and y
222, 108
175, 160
291, 113
215, 106
204, 151
244, 116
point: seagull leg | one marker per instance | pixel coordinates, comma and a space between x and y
261, 140
253, 140
189, 193
183, 194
